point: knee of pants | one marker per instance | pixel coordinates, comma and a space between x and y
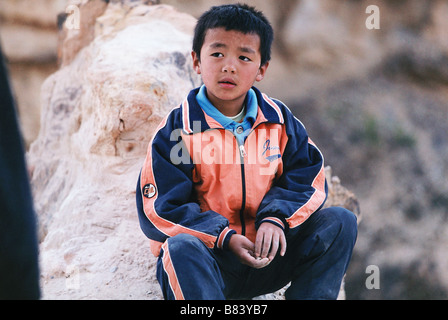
185, 245
333, 225
346, 220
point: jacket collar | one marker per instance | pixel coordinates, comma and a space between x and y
268, 111
251, 109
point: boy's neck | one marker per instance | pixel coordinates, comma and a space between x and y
240, 116
228, 108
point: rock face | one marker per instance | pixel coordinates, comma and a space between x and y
99, 111
98, 114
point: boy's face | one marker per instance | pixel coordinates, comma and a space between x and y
229, 65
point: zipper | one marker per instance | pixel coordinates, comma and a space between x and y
243, 179
242, 152
243, 184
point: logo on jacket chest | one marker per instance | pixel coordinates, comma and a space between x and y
270, 153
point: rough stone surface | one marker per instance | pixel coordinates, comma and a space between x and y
98, 114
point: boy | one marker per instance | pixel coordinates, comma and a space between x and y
231, 190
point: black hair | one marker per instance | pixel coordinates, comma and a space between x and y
237, 17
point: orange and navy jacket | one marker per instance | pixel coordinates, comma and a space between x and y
198, 179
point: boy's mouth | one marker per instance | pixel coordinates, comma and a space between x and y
227, 83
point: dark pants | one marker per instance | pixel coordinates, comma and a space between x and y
318, 253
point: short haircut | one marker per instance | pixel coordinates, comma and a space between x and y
236, 17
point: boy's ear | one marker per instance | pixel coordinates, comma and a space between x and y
262, 71
196, 62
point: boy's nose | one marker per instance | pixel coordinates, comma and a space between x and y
229, 68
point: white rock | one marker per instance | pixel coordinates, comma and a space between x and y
98, 115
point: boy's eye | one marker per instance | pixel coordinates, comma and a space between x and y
217, 55
246, 59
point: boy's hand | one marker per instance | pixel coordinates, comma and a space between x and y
269, 239
243, 248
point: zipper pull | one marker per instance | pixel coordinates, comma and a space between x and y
242, 151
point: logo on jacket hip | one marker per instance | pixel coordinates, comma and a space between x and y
149, 190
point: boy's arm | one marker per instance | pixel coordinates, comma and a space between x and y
302, 189
165, 197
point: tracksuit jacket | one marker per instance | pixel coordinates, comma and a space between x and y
199, 179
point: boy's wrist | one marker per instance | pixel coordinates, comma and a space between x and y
275, 221
224, 237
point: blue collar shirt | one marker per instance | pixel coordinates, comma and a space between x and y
241, 129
